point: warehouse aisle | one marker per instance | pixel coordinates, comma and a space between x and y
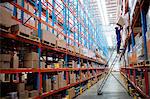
111, 90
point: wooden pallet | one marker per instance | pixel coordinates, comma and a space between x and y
48, 43
27, 36
61, 48
4, 29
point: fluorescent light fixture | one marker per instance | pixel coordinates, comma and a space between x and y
103, 11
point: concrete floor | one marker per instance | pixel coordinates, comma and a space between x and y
111, 90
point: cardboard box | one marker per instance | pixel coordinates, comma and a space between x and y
5, 57
21, 29
4, 65
48, 36
33, 93
61, 43
137, 30
31, 56
148, 35
5, 17
31, 64
15, 61
121, 21
72, 78
71, 93
48, 85
23, 95
21, 87
71, 48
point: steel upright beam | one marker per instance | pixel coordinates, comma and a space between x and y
144, 29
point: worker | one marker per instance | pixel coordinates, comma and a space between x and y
118, 38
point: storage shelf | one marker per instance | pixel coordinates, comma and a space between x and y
135, 86
13, 36
20, 70
66, 87
136, 67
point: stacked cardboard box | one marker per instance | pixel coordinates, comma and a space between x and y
5, 60
22, 93
31, 60
48, 37
5, 17
71, 93
62, 81
72, 78
21, 29
48, 85
15, 61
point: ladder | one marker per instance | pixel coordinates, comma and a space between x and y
99, 90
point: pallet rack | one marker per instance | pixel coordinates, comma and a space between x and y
60, 17
135, 70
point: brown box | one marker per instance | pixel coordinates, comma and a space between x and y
148, 35
5, 17
137, 30
121, 21
48, 36
71, 93
5, 57
33, 93
48, 85
31, 64
4, 65
61, 43
31, 56
71, 48
15, 61
23, 94
21, 29
21, 87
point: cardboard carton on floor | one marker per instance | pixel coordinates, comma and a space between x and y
31, 64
